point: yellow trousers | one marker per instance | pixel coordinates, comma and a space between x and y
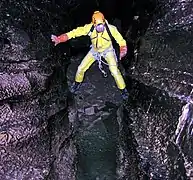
89, 59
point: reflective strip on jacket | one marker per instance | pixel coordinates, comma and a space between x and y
100, 41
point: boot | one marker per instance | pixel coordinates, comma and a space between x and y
124, 94
75, 87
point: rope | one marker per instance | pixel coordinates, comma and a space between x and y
98, 56
101, 67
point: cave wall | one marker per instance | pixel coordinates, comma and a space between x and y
34, 127
35, 133
161, 92
166, 57
154, 117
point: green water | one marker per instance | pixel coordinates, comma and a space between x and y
97, 151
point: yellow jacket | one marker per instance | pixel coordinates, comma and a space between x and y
100, 41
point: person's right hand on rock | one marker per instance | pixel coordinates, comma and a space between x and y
59, 39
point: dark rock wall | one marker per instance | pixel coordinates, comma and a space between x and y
161, 92
34, 128
166, 56
35, 132
154, 118
129, 162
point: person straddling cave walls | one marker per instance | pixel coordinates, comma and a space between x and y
98, 30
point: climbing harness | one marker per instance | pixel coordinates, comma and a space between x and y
98, 57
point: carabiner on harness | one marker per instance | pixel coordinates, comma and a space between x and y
101, 67
98, 55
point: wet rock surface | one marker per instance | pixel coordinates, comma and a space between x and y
105, 143
154, 121
34, 127
37, 126
166, 57
95, 143
161, 89
42, 131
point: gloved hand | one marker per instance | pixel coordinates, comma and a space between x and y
123, 51
59, 39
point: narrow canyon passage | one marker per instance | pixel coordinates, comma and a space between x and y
46, 136
97, 103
